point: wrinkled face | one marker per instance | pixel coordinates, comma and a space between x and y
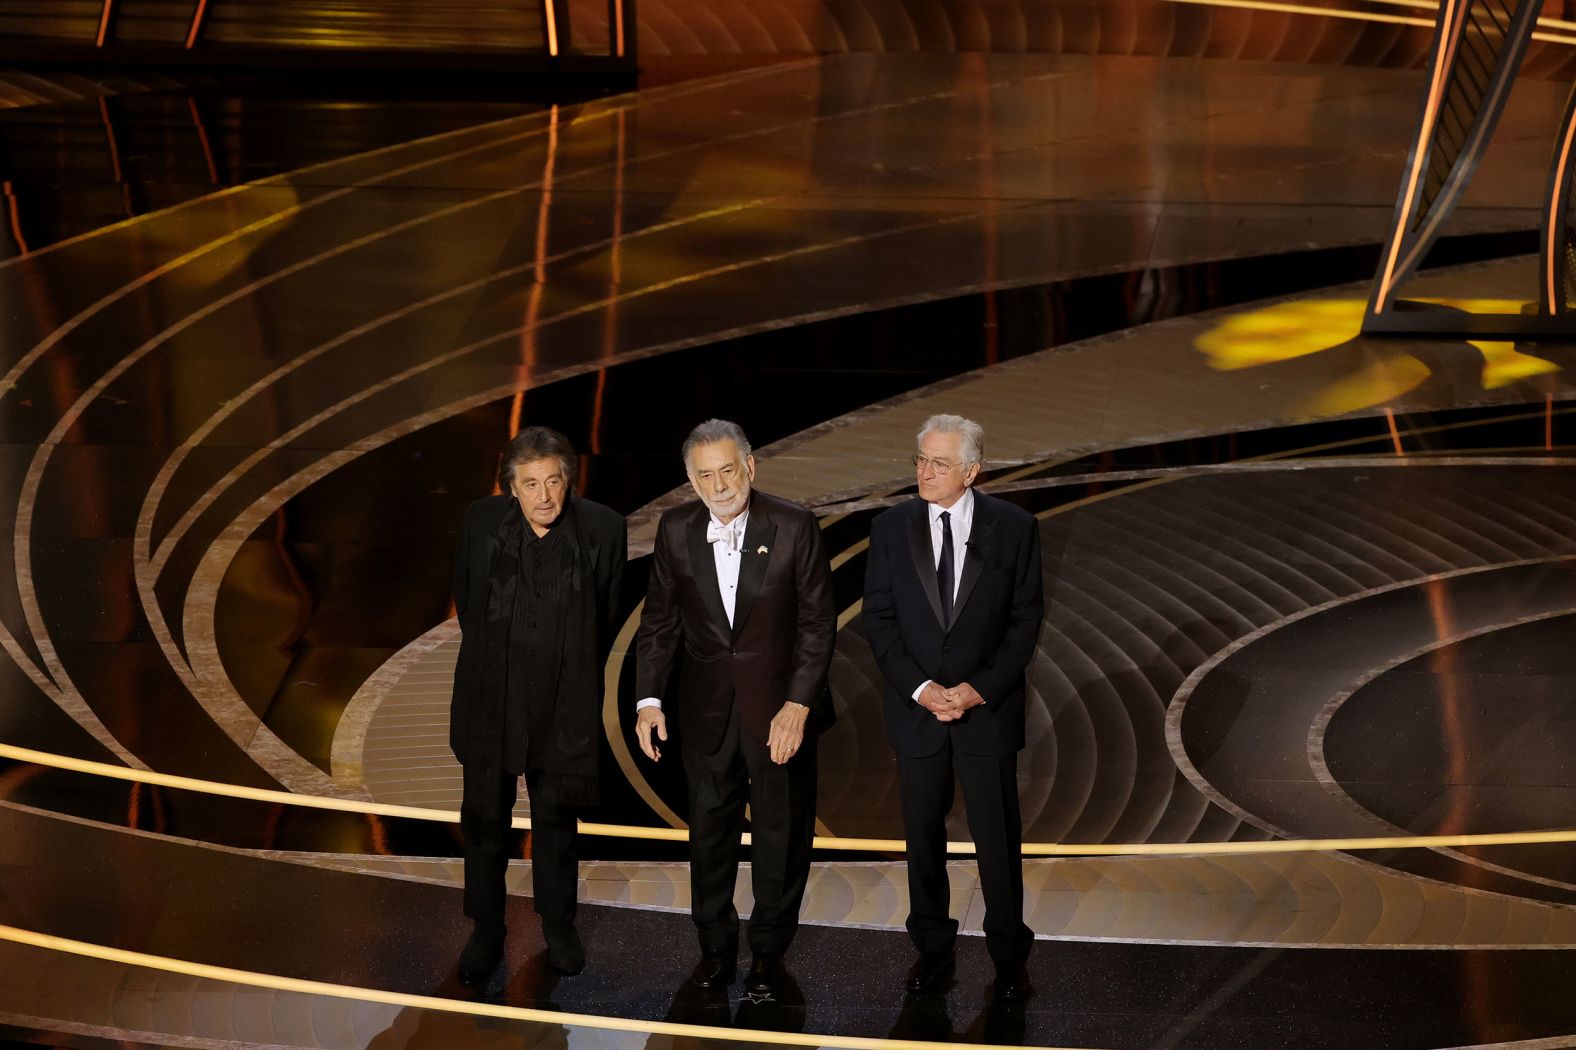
721, 477
539, 485
939, 468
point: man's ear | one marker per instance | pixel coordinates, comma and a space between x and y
749, 466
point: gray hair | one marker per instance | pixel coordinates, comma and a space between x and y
713, 431
973, 435
535, 443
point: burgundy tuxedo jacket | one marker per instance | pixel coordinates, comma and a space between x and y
784, 626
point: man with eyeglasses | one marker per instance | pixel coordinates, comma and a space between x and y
953, 603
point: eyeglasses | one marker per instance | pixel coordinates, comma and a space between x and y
940, 466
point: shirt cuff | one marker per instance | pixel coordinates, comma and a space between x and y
649, 701
921, 689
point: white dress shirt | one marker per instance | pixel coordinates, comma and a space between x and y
727, 542
962, 524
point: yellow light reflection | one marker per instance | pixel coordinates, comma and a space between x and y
1286, 331
1281, 332
1503, 364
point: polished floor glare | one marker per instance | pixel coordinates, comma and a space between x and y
1298, 770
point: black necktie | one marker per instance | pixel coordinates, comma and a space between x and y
944, 574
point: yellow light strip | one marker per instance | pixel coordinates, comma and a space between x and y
826, 842
409, 1000
1304, 9
103, 26
1436, 88
1429, 5
196, 27
552, 29
1553, 229
1369, 16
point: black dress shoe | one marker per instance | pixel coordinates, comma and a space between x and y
715, 969
565, 953
931, 973
1012, 983
766, 973
481, 955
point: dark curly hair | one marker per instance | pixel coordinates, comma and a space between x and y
537, 443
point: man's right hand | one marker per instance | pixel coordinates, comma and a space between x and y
933, 698
649, 719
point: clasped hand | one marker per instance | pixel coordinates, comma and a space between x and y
948, 705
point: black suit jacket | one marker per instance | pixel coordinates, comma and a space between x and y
474, 554
995, 623
785, 624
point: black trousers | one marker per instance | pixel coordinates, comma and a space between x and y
555, 850
990, 798
782, 825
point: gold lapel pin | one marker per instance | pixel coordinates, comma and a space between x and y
761, 549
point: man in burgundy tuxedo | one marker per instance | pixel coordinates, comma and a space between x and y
740, 604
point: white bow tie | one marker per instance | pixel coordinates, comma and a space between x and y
723, 533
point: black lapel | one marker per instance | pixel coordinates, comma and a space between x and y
980, 537
704, 566
759, 531
586, 539
924, 559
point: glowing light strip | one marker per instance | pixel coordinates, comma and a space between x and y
1368, 16
1475, 138
1436, 89
552, 28
196, 26
103, 26
1373, 16
1554, 228
1395, 434
618, 26
303, 986
1304, 9
202, 137
109, 136
626, 831
14, 214
1428, 5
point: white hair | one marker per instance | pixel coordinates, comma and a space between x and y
973, 435
712, 431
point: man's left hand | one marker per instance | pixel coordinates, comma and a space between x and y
964, 696
787, 733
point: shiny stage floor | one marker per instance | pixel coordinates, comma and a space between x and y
1309, 596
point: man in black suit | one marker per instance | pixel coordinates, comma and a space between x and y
536, 578
740, 601
953, 602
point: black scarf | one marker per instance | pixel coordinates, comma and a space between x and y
563, 747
